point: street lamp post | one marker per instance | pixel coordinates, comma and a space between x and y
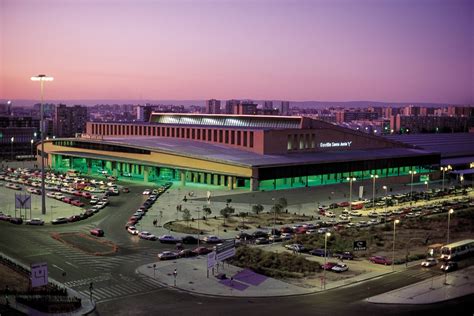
395, 222
42, 79
373, 176
412, 173
11, 146
427, 186
444, 169
328, 234
451, 211
350, 179
31, 142
385, 202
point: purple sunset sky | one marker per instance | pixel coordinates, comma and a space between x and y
333, 50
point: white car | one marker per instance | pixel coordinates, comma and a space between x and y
295, 247
372, 214
94, 200
286, 236
132, 230
340, 267
147, 192
429, 262
59, 196
146, 235
51, 194
329, 214
34, 221
355, 213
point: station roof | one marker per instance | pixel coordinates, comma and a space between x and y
226, 154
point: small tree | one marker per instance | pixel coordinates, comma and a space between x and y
283, 202
257, 208
226, 212
207, 210
186, 215
243, 215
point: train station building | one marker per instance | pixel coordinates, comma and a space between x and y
236, 152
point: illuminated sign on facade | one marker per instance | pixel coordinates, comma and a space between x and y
335, 144
471, 165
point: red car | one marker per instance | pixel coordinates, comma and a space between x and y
343, 204
97, 232
87, 195
77, 203
380, 260
67, 200
126, 190
77, 193
74, 218
328, 265
202, 251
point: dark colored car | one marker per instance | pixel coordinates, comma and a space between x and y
259, 234
244, 236
189, 240
185, 253
449, 266
16, 220
319, 252
74, 218
344, 255
380, 260
97, 232
262, 240
125, 190
286, 229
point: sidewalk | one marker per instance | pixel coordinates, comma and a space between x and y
459, 283
192, 277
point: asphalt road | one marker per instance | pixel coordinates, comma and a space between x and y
123, 292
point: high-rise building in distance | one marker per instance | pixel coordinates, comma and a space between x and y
69, 120
285, 108
213, 106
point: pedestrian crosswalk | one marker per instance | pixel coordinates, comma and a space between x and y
108, 290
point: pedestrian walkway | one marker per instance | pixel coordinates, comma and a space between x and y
433, 290
228, 280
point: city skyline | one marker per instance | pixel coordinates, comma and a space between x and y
389, 51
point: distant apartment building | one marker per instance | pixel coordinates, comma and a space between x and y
213, 106
16, 134
429, 124
354, 115
6, 108
268, 105
69, 120
285, 108
49, 109
140, 113
246, 107
230, 104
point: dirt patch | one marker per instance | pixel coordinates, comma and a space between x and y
15, 280
86, 243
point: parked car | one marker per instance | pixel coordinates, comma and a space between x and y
167, 255
328, 265
429, 262
340, 267
261, 240
449, 266
259, 233
168, 239
380, 260
74, 218
344, 255
59, 220
34, 221
185, 253
212, 239
77, 203
16, 220
146, 235
202, 251
125, 190
132, 230
147, 192
189, 240
97, 232
318, 252
295, 247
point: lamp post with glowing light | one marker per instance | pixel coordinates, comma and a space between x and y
350, 179
395, 222
451, 211
11, 146
42, 79
326, 235
412, 173
385, 204
31, 142
444, 169
373, 176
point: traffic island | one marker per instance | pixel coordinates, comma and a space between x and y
86, 243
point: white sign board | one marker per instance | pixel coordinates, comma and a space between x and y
361, 192
39, 274
335, 144
211, 260
225, 254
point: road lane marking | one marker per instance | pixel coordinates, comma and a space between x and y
71, 264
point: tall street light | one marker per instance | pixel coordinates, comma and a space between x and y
328, 234
373, 176
395, 222
444, 169
11, 146
31, 142
385, 204
451, 211
427, 186
42, 79
350, 179
412, 173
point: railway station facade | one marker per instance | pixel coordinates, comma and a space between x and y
235, 151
